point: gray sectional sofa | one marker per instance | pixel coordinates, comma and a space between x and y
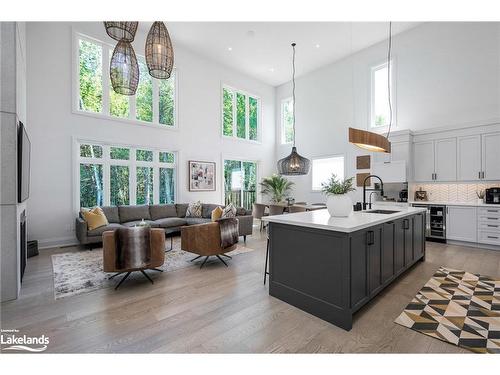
168, 216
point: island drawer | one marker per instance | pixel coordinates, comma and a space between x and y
489, 226
492, 238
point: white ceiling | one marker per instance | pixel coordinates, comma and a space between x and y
262, 49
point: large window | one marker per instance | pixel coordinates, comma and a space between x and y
380, 112
240, 114
323, 168
287, 120
240, 183
119, 175
153, 103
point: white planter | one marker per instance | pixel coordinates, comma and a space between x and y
339, 205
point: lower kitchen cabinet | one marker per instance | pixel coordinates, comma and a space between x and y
461, 223
418, 224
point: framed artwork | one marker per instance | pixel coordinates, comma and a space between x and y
363, 162
201, 176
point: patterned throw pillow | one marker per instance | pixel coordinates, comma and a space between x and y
194, 210
229, 211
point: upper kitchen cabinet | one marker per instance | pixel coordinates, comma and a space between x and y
490, 156
423, 161
445, 162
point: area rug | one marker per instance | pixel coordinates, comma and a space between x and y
80, 271
457, 307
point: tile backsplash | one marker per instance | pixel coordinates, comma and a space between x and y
458, 192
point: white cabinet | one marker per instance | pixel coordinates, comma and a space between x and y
390, 172
461, 223
435, 160
469, 158
491, 156
488, 225
423, 161
445, 162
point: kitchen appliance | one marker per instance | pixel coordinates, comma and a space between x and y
435, 222
392, 192
403, 195
492, 195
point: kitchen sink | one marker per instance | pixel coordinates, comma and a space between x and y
384, 212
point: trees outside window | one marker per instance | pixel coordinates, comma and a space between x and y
90, 67
240, 114
121, 175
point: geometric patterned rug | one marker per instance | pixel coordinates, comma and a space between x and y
457, 307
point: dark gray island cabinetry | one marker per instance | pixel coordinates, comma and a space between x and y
331, 267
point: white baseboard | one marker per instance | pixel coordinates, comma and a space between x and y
57, 242
473, 244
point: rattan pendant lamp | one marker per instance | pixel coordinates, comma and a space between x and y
121, 30
159, 51
294, 164
369, 140
124, 69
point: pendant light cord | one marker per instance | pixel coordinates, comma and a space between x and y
293, 91
389, 50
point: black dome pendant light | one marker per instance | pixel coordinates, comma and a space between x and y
294, 164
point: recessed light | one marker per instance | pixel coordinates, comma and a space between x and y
317, 45
229, 48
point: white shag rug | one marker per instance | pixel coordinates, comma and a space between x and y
80, 271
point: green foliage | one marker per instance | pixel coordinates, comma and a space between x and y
252, 117
144, 185
240, 115
166, 157
167, 186
380, 120
144, 155
90, 76
335, 186
119, 185
91, 191
119, 153
167, 89
90, 151
118, 104
227, 112
276, 187
144, 94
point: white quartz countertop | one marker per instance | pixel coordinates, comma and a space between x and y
321, 219
444, 203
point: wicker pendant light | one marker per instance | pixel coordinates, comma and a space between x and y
124, 69
121, 30
159, 51
294, 164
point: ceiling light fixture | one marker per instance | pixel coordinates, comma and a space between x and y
294, 164
121, 30
159, 51
124, 69
369, 140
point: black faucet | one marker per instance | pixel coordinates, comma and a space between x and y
365, 189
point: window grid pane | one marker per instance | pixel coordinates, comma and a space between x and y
119, 153
144, 155
240, 115
167, 100
323, 169
91, 191
91, 151
144, 95
167, 186
90, 76
167, 157
227, 112
287, 121
380, 97
252, 118
119, 185
144, 189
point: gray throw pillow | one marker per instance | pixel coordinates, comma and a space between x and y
194, 210
229, 211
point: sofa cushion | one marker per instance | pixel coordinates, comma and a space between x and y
207, 209
111, 213
161, 211
169, 222
197, 220
216, 214
181, 209
229, 211
133, 223
194, 210
99, 231
94, 217
133, 213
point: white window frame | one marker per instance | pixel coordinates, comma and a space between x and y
371, 101
343, 156
242, 160
107, 50
247, 117
132, 163
282, 119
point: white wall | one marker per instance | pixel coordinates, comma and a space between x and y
447, 74
52, 125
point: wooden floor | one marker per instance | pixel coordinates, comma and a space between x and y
223, 310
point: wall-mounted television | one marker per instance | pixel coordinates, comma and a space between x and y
23, 163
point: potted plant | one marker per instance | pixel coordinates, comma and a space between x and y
276, 187
339, 204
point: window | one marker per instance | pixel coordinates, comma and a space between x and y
121, 175
323, 168
287, 121
153, 103
240, 114
380, 112
240, 183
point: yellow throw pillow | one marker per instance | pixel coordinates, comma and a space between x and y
94, 217
217, 213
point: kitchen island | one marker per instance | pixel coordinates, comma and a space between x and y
331, 267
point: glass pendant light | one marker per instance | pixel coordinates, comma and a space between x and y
121, 30
159, 51
294, 164
369, 140
124, 69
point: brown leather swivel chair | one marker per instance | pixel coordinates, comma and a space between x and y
205, 241
111, 254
